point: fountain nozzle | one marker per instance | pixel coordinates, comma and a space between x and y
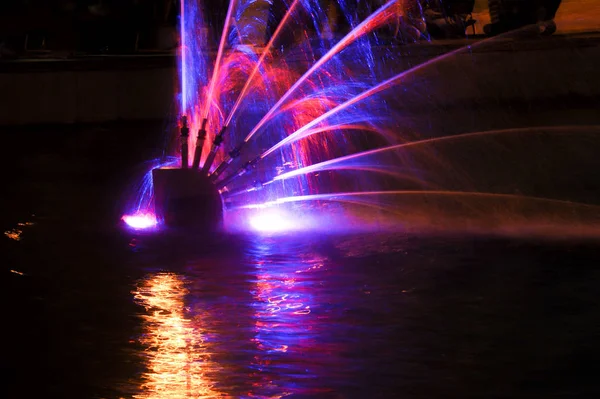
233, 154
213, 151
256, 186
199, 145
248, 166
185, 133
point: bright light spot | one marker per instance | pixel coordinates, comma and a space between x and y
14, 234
270, 222
140, 221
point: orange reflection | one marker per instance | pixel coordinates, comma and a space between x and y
14, 234
176, 355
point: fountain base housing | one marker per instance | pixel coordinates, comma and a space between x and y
187, 199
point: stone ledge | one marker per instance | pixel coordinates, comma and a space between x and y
140, 88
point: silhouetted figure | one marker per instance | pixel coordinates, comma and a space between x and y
276, 14
507, 15
448, 18
300, 22
215, 12
320, 16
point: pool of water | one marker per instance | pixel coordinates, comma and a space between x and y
314, 316
95, 311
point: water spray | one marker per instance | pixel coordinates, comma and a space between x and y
199, 145
185, 133
213, 151
378, 18
185, 198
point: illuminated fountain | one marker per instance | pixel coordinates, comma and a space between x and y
274, 135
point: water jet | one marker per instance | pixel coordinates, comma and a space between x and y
324, 127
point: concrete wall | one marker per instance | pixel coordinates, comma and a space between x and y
85, 96
527, 72
538, 70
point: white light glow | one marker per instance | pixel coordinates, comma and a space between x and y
140, 221
271, 221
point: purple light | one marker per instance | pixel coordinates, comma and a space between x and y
271, 221
140, 221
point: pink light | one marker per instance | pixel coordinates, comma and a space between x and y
140, 221
271, 221
375, 20
183, 60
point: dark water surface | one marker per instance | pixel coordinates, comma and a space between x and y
93, 311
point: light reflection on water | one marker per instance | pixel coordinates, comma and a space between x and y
176, 354
300, 317
243, 328
355, 317
16, 233
286, 331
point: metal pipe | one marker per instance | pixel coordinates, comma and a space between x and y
256, 186
233, 154
199, 145
185, 133
223, 183
213, 151
248, 166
